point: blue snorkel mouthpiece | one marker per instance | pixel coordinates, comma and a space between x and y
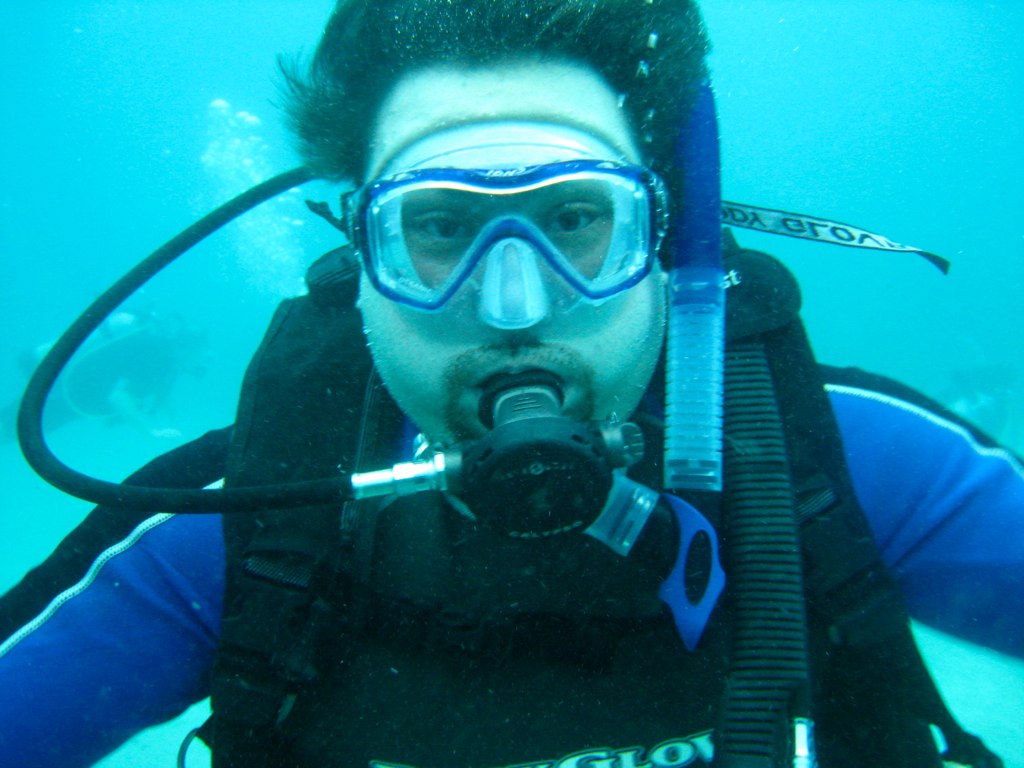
696, 314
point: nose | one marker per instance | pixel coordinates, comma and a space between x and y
513, 296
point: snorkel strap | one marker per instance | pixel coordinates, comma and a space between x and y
772, 221
696, 315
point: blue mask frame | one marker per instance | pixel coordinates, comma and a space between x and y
358, 207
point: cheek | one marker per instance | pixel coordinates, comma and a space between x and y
624, 358
390, 334
405, 348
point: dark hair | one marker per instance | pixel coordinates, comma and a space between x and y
650, 51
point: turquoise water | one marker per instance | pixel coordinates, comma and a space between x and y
902, 118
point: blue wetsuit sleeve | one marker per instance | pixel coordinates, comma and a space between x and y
129, 646
947, 511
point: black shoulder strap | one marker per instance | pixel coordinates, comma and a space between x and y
871, 686
301, 416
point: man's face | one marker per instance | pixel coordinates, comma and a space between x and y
434, 362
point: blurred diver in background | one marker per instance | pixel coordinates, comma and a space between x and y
124, 374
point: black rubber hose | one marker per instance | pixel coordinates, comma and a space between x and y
30, 415
768, 683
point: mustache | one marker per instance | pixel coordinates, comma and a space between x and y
463, 378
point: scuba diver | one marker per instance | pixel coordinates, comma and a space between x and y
126, 374
596, 515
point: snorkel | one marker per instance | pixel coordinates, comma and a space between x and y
696, 316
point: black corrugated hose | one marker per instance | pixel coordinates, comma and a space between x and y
768, 688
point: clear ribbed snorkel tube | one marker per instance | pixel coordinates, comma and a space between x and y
694, 375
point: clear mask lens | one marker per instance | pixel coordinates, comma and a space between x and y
594, 226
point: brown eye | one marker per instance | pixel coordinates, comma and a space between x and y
441, 225
572, 218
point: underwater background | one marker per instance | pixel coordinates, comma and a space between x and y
123, 121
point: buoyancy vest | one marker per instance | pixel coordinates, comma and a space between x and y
306, 607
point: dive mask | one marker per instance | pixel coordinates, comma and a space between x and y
525, 238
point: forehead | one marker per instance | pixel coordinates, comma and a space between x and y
437, 98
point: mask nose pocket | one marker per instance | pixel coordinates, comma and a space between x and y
512, 295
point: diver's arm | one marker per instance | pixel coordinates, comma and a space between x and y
193, 465
129, 646
945, 504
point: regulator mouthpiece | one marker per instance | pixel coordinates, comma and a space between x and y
510, 396
537, 473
